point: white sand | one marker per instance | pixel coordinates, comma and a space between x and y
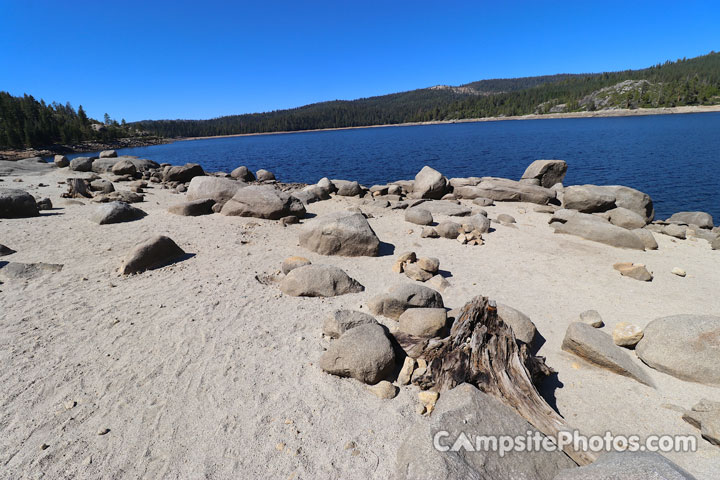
200, 371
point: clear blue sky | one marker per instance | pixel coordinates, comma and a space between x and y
202, 59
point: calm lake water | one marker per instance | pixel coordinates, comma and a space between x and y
673, 158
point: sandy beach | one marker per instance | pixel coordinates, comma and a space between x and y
199, 370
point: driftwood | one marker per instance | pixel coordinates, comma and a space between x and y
77, 188
482, 350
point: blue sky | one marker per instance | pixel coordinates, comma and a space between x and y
179, 59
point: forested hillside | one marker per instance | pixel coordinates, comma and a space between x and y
25, 121
693, 81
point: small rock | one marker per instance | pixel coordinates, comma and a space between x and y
407, 257
413, 271
264, 176
428, 399
505, 218
103, 431
384, 390
633, 270
626, 335
438, 282
341, 321
448, 229
70, 404
429, 232
429, 264
406, 372
678, 271
592, 318
152, 253
87, 461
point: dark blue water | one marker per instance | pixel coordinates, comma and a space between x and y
673, 158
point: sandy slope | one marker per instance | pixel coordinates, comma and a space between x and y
200, 371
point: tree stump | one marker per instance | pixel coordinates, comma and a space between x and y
482, 350
77, 188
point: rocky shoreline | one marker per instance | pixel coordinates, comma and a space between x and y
333, 328
90, 146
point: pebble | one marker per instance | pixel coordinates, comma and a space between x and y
69, 404
44, 446
87, 461
384, 390
103, 431
592, 318
679, 272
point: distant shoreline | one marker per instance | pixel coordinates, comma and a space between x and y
620, 112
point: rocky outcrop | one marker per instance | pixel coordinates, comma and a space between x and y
594, 198
545, 173
504, 190
345, 233
700, 219
599, 349
319, 281
684, 346
466, 410
263, 201
599, 231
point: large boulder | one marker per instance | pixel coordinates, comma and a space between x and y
505, 190
429, 183
588, 198
61, 161
701, 219
108, 154
423, 322
684, 346
116, 212
418, 216
363, 353
466, 411
312, 194
319, 281
521, 325
340, 321
152, 253
402, 297
595, 198
263, 201
340, 233
264, 176
124, 167
219, 189
627, 466
243, 174
81, 164
347, 188
183, 173
546, 172
16, 203
599, 231
598, 348
446, 207
449, 229
195, 208
622, 217
104, 165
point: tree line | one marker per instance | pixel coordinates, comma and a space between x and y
27, 122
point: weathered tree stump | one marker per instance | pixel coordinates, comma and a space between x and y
482, 350
77, 188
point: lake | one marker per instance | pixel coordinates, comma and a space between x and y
673, 158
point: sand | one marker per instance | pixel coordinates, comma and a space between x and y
200, 371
